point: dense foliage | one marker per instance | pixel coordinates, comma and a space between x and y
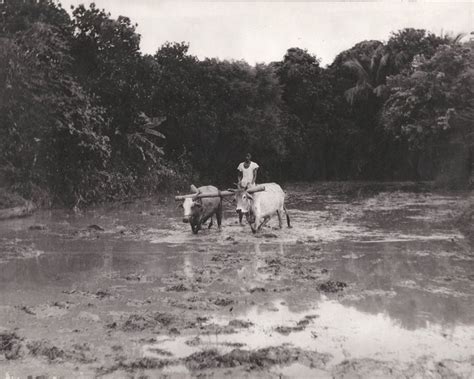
433, 104
86, 117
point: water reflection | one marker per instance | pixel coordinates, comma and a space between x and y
412, 286
253, 273
340, 330
47, 269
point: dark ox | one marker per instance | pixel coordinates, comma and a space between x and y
259, 207
198, 211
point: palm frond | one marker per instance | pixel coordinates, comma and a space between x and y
146, 147
355, 66
381, 69
373, 62
357, 92
380, 90
456, 40
400, 59
154, 133
149, 124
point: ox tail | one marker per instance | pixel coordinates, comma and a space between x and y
287, 217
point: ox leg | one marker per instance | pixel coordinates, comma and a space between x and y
264, 222
287, 218
219, 215
253, 225
241, 215
204, 220
279, 219
211, 223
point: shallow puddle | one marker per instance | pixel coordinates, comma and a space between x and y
327, 327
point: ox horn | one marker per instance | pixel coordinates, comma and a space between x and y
194, 189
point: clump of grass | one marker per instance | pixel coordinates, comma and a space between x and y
254, 359
140, 322
45, 349
10, 345
10, 200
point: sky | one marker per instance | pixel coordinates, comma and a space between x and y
262, 31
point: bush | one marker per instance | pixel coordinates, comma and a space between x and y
10, 200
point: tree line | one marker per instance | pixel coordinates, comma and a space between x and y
85, 116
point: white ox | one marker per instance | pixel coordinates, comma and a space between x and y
260, 206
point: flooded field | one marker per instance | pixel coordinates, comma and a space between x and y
372, 281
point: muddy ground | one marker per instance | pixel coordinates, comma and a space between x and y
373, 281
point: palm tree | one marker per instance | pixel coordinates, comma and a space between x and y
370, 80
393, 58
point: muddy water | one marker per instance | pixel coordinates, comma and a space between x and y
368, 283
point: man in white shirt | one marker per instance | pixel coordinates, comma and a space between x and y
247, 175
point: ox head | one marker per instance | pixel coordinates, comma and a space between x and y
244, 200
192, 209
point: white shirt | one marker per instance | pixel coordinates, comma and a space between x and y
247, 173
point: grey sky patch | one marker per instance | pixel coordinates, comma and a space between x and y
262, 31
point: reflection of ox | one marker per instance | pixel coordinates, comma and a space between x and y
260, 206
198, 210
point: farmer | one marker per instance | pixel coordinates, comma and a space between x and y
247, 175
